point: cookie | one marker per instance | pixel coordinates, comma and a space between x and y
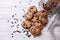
53, 1
47, 7
32, 9
50, 5
42, 13
35, 30
38, 24
28, 16
34, 19
44, 21
26, 24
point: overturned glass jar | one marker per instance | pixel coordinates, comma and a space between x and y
54, 23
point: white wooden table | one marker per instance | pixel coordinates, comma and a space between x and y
7, 8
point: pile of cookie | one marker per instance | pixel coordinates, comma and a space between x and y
34, 20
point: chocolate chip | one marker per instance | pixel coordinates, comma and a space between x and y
19, 1
11, 26
12, 36
11, 33
20, 20
32, 8
23, 10
7, 20
26, 34
23, 31
29, 35
12, 15
12, 22
16, 19
18, 31
15, 22
34, 36
29, 3
30, 0
15, 14
43, 11
17, 27
23, 16
15, 6
26, 27
24, 37
14, 31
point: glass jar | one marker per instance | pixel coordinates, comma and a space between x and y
54, 27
